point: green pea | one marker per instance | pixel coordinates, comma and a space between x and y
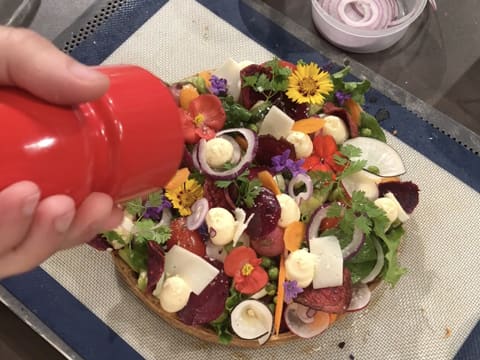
267, 262
273, 273
271, 289
271, 306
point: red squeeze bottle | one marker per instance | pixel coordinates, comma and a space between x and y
127, 143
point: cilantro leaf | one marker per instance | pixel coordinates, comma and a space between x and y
392, 271
356, 89
352, 168
147, 229
135, 207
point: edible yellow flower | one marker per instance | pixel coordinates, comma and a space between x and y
183, 197
309, 84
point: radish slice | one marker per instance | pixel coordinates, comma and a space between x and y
378, 265
199, 211
306, 314
251, 319
216, 252
361, 296
294, 322
361, 182
380, 156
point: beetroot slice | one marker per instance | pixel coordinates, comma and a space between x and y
214, 195
99, 243
210, 303
332, 300
330, 109
248, 96
155, 264
294, 110
266, 210
406, 192
269, 147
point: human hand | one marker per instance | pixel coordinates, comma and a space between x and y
32, 229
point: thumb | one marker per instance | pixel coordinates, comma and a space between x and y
33, 63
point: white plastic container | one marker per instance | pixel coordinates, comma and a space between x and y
361, 40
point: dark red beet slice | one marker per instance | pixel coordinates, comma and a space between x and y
155, 264
294, 110
187, 160
99, 243
330, 109
248, 96
406, 192
266, 210
214, 194
332, 300
269, 147
210, 303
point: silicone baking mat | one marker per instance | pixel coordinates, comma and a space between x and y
428, 315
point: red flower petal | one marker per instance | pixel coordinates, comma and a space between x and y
188, 127
333, 164
205, 132
211, 108
238, 257
310, 162
324, 146
252, 283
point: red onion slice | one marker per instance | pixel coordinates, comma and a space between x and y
378, 266
366, 14
316, 221
355, 245
252, 141
298, 179
199, 212
195, 157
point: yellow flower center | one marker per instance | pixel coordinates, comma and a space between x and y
247, 269
199, 119
308, 86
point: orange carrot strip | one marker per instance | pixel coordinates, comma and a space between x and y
333, 317
205, 75
268, 181
187, 94
280, 296
354, 109
178, 179
390, 179
308, 126
293, 235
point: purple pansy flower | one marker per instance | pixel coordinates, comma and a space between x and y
342, 97
218, 86
155, 212
291, 290
283, 162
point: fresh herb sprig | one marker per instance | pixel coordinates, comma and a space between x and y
248, 189
355, 89
269, 85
